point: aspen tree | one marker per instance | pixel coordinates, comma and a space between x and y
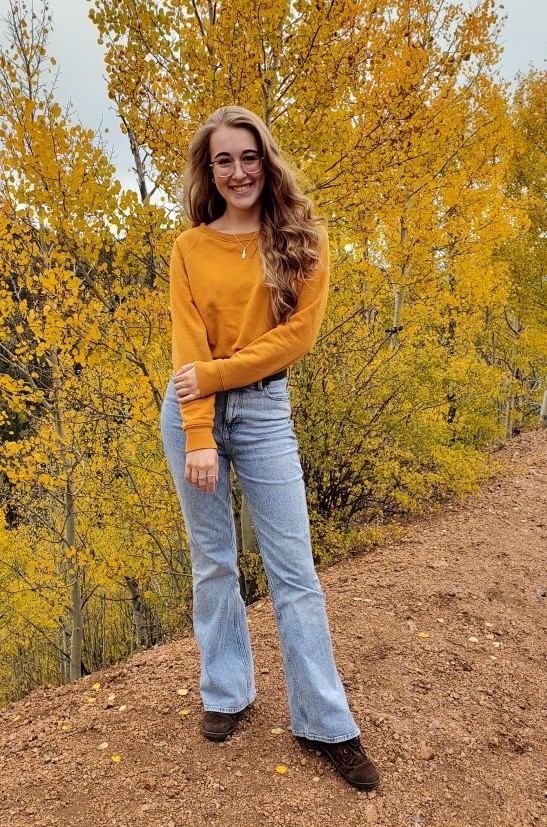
82, 362
521, 340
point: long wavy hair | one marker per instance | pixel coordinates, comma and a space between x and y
290, 236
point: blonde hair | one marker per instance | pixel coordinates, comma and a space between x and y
290, 237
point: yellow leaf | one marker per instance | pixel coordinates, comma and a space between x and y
104, 745
96, 686
65, 728
423, 634
277, 730
185, 712
182, 691
116, 759
122, 708
281, 769
91, 700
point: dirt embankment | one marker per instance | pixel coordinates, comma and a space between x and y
440, 641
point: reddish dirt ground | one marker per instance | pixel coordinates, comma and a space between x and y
440, 641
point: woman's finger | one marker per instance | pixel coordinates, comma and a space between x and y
201, 469
186, 395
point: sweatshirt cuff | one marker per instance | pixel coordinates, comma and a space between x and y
208, 376
199, 437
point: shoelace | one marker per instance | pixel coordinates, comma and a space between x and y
353, 752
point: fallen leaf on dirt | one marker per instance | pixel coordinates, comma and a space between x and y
182, 691
423, 634
185, 712
473, 639
281, 769
91, 700
116, 759
122, 708
96, 686
277, 730
371, 814
104, 745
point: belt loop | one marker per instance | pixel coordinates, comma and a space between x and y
259, 384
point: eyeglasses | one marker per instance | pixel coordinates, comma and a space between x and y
251, 164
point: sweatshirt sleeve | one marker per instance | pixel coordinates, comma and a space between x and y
277, 348
190, 343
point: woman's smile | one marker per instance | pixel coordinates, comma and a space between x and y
241, 188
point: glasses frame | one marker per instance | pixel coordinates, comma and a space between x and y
240, 162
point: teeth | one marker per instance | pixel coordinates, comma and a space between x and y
242, 188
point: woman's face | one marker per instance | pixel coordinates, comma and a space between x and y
242, 190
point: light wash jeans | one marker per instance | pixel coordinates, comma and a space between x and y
254, 432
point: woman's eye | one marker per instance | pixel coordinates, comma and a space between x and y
224, 162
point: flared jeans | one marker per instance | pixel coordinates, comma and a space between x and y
254, 434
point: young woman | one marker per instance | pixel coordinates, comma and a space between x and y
249, 285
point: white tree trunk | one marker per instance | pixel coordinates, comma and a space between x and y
75, 587
509, 417
69, 535
397, 310
543, 411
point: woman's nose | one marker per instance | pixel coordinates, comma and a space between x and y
238, 172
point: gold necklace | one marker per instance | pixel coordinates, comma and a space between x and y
243, 246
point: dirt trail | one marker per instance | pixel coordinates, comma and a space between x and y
439, 641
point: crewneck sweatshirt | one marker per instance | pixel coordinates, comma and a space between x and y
222, 321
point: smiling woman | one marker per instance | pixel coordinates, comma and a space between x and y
249, 285
239, 178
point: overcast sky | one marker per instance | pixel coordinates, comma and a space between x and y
73, 42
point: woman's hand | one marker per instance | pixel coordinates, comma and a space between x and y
186, 384
201, 469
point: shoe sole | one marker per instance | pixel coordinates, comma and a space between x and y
217, 736
317, 746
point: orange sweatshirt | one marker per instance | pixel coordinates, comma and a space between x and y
220, 311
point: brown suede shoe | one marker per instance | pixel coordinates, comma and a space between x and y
217, 726
351, 761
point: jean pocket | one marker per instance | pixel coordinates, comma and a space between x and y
277, 391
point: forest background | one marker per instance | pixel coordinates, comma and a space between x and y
431, 174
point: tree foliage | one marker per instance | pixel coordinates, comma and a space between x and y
434, 337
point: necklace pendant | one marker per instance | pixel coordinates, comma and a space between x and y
244, 254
